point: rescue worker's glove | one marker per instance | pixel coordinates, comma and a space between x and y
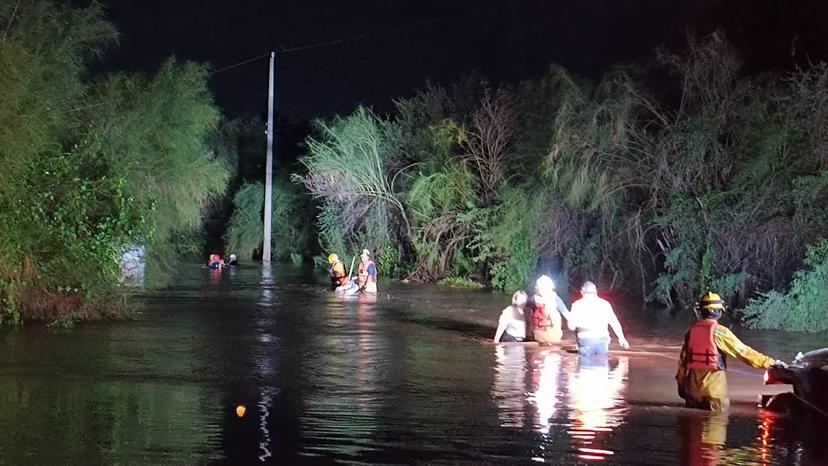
780, 363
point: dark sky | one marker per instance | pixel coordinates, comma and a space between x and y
407, 42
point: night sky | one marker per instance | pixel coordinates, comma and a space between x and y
390, 48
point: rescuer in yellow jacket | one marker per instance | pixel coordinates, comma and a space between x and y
703, 360
337, 271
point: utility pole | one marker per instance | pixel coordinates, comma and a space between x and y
269, 170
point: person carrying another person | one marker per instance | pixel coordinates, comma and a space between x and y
701, 378
547, 310
337, 271
511, 326
367, 278
589, 318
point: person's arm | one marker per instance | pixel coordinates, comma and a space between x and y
501, 325
572, 320
681, 372
615, 325
562, 308
729, 344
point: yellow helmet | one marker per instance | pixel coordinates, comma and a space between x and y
711, 301
332, 258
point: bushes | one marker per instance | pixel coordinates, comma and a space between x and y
803, 306
290, 233
91, 166
713, 179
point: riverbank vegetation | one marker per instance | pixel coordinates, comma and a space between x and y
663, 179
91, 165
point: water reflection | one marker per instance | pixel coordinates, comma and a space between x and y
596, 397
509, 390
546, 368
702, 437
265, 363
355, 380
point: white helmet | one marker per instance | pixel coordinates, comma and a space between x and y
544, 283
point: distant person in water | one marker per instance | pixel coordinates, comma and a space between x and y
590, 317
547, 309
234, 260
215, 262
367, 278
512, 324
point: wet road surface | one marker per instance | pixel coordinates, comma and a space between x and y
409, 376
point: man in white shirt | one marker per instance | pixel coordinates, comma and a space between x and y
590, 316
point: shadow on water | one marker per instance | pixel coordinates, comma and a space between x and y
260, 366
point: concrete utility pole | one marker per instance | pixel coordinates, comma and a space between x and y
269, 170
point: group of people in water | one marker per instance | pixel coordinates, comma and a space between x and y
542, 315
700, 378
216, 262
702, 364
343, 282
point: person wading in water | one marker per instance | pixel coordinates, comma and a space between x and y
547, 310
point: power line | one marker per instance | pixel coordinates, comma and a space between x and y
365, 36
243, 62
339, 41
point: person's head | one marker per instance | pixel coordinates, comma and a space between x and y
366, 255
544, 285
233, 257
589, 289
332, 258
519, 299
711, 306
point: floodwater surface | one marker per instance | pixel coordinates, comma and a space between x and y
254, 366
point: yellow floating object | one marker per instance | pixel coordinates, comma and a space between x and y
240, 410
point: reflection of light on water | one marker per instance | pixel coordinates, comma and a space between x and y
765, 435
702, 436
509, 390
265, 366
267, 284
546, 366
595, 394
264, 407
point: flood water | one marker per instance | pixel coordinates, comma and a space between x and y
409, 376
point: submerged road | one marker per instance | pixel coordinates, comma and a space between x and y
255, 366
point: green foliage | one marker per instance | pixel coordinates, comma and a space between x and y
391, 262
802, 306
459, 282
90, 167
714, 180
65, 321
289, 234
351, 170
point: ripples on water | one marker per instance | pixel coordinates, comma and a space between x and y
404, 377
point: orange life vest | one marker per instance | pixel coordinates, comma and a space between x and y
363, 269
539, 318
702, 353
